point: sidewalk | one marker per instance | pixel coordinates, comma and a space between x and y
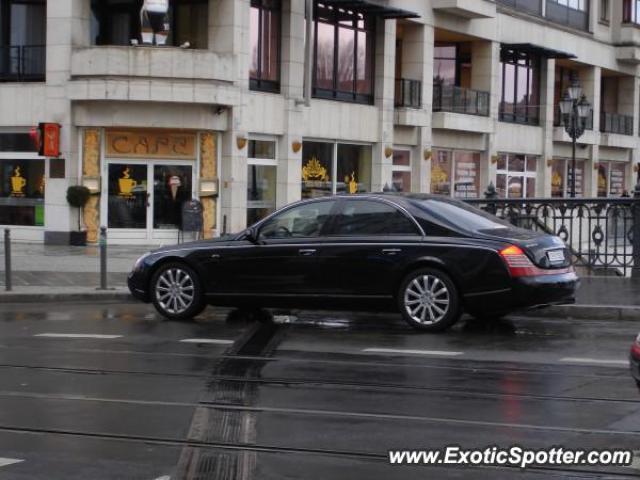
64, 273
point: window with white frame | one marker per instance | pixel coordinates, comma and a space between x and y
401, 171
261, 179
612, 178
516, 175
562, 175
455, 173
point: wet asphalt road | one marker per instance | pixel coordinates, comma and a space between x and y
313, 396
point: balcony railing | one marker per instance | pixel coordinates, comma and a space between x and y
530, 6
447, 98
616, 123
22, 63
408, 93
557, 118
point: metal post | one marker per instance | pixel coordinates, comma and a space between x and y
7, 260
103, 258
574, 138
635, 236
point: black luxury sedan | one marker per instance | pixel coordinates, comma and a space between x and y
426, 256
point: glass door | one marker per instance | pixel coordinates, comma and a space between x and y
128, 197
172, 186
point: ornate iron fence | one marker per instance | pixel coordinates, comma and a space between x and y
602, 233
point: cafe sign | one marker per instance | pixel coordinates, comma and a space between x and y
150, 144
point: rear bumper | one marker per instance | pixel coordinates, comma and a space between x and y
527, 293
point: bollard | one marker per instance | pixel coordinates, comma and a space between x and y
7, 260
103, 258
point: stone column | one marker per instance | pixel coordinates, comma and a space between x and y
543, 181
68, 26
384, 100
291, 86
488, 166
590, 79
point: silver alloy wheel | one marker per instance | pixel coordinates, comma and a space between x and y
175, 290
426, 299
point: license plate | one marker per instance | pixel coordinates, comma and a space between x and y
556, 256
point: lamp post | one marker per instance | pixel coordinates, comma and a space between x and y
575, 109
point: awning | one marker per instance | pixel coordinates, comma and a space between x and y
538, 50
373, 8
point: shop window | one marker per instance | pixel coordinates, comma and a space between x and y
353, 173
23, 35
461, 166
561, 177
264, 72
520, 101
16, 142
22, 191
118, 22
612, 178
351, 164
516, 176
401, 171
363, 217
344, 44
261, 180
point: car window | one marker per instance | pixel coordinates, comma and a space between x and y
463, 215
365, 217
302, 221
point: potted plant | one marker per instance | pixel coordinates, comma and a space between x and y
78, 196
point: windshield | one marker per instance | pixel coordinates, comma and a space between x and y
459, 214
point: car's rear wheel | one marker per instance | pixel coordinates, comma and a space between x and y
177, 292
428, 300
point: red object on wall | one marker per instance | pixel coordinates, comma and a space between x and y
35, 136
50, 139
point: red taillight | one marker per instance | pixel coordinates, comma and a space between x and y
519, 264
635, 348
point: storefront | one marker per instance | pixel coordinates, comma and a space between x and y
261, 179
145, 177
612, 178
22, 185
562, 177
335, 168
455, 173
516, 175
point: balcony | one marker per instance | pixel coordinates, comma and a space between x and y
528, 6
466, 8
447, 98
22, 63
616, 123
408, 93
565, 15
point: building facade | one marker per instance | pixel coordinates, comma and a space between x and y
441, 96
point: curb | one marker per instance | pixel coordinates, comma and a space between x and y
28, 297
588, 312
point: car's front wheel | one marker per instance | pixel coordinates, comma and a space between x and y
428, 300
177, 292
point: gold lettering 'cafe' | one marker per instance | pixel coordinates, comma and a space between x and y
140, 179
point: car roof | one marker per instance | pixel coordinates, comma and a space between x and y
398, 197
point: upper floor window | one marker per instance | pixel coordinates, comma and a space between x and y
344, 44
631, 11
121, 22
605, 11
264, 72
520, 87
574, 13
23, 34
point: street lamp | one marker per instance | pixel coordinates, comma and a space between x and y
575, 109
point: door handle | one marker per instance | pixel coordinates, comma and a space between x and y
215, 256
307, 252
391, 251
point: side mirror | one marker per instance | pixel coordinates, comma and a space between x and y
252, 235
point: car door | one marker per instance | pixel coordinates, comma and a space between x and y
286, 258
370, 240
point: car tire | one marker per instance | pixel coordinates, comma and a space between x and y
176, 291
428, 300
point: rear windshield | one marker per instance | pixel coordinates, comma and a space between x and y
461, 215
